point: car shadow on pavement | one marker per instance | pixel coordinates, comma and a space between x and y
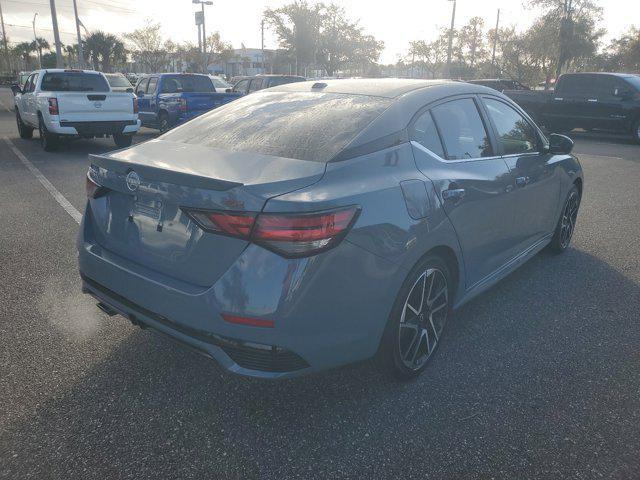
519, 381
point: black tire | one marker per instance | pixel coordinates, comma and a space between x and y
48, 141
122, 141
399, 354
23, 130
567, 222
636, 131
163, 122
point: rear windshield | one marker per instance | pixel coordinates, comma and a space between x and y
118, 81
73, 82
302, 125
186, 83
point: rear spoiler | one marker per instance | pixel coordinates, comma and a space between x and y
123, 167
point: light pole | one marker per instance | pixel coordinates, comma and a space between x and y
204, 32
495, 42
35, 40
453, 21
80, 51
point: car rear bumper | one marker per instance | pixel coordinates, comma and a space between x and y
327, 310
94, 127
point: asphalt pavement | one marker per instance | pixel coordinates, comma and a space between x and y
537, 378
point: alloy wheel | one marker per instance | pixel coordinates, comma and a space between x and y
424, 314
569, 216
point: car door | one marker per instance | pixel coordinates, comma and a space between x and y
533, 173
32, 104
453, 148
565, 109
143, 102
608, 103
151, 99
25, 100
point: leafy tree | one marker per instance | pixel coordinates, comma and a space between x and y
148, 48
23, 51
297, 26
623, 53
574, 22
218, 51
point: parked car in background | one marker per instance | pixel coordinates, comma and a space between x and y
592, 101
260, 82
499, 84
71, 104
220, 84
317, 224
168, 99
118, 82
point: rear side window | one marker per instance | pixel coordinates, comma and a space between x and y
515, 134
73, 82
302, 125
425, 133
118, 81
462, 130
186, 83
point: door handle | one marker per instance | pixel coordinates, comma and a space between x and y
522, 181
453, 194
592, 99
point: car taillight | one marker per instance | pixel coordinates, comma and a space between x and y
135, 105
93, 189
182, 104
53, 106
288, 234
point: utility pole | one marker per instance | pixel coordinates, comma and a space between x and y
4, 40
449, 51
495, 41
80, 51
56, 35
35, 40
262, 44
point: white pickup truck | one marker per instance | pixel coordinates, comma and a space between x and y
72, 104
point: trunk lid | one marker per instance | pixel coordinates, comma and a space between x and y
141, 219
94, 106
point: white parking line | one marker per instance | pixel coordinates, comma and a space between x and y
64, 203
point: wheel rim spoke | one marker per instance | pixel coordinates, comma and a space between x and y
421, 325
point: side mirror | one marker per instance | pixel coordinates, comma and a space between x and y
228, 90
129, 90
560, 144
139, 93
16, 89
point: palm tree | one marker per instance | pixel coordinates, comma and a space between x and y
40, 44
23, 50
72, 54
104, 49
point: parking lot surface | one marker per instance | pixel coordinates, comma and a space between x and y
537, 378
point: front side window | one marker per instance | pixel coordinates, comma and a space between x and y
142, 86
462, 130
241, 86
74, 82
302, 125
515, 134
153, 83
34, 81
256, 84
425, 133
27, 84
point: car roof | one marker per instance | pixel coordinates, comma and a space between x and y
376, 87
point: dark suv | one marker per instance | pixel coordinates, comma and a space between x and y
260, 82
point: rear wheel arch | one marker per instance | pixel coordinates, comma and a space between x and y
447, 254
